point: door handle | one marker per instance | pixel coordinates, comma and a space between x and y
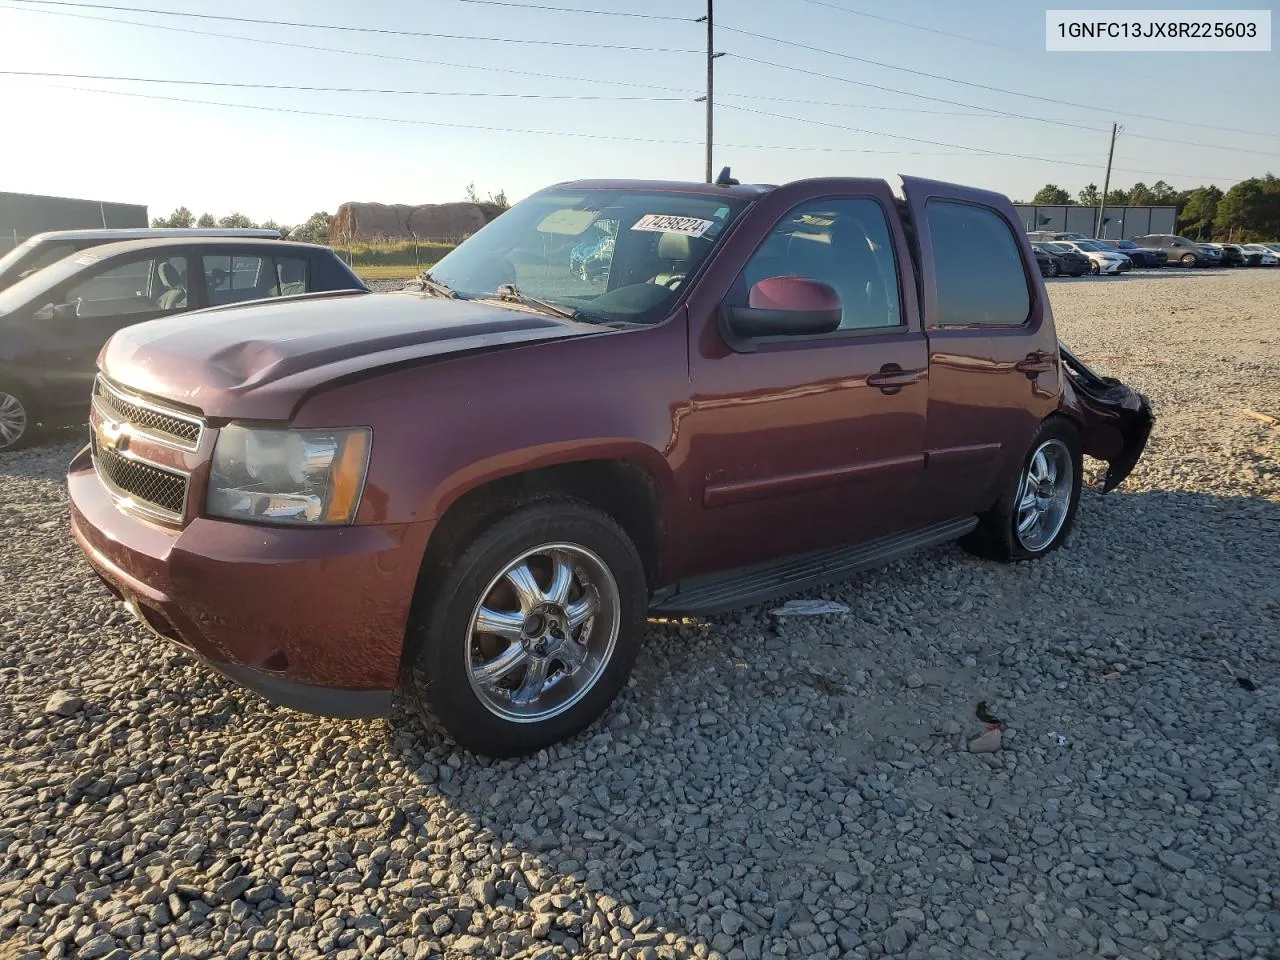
1035, 364
891, 378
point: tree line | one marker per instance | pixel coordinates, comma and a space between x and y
1248, 211
315, 229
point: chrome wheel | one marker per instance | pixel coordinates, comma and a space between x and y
543, 632
1044, 496
13, 420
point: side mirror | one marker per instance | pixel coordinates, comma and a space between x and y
782, 307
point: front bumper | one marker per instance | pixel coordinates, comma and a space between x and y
1115, 420
310, 619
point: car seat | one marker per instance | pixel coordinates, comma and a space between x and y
174, 296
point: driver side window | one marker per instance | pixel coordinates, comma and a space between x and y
845, 243
150, 285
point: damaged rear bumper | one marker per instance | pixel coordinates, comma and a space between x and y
1115, 420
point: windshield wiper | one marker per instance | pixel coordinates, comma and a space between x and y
510, 293
435, 286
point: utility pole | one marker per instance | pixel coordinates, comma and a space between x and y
1106, 183
710, 95
711, 81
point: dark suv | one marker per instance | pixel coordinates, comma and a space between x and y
478, 490
54, 322
1180, 250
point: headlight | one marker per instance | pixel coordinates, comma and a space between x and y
288, 476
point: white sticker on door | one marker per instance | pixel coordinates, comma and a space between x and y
662, 223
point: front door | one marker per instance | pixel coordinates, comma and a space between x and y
805, 442
66, 334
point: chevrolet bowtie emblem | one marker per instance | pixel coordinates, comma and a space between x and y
113, 436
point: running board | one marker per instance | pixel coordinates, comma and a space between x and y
718, 592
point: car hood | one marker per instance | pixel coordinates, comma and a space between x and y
259, 359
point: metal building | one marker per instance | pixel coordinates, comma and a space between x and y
1119, 223
23, 215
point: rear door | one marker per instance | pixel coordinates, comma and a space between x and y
802, 442
994, 371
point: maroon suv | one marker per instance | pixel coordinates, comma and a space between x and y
477, 490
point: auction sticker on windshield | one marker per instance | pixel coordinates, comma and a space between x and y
662, 223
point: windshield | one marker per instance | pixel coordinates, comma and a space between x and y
15, 255
609, 255
1122, 244
1090, 245
33, 285
1059, 248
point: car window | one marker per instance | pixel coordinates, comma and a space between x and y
844, 243
290, 276
977, 267
235, 278
149, 285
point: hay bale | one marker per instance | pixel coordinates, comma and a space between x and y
363, 222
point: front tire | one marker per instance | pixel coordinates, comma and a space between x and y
1189, 260
17, 423
1035, 515
532, 632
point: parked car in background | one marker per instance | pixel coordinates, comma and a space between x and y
1266, 256
478, 490
50, 247
1103, 260
1042, 235
53, 323
1214, 255
1179, 250
1141, 256
1229, 254
1273, 247
1248, 258
1065, 261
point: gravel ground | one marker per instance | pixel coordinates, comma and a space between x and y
795, 788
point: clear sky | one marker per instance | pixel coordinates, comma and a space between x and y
281, 165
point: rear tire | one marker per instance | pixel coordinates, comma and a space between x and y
17, 418
1036, 513
562, 592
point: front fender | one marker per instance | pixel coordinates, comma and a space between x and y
1115, 420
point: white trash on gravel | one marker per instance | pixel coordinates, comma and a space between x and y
766, 786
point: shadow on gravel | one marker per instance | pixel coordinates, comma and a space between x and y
796, 766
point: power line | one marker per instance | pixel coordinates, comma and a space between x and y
350, 53
493, 129
348, 28
960, 146
312, 89
966, 83
913, 26
597, 13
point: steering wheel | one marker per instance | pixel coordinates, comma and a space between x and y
672, 283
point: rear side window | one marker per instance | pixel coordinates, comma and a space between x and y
979, 273
236, 278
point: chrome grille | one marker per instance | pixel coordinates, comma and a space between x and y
152, 488
168, 426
